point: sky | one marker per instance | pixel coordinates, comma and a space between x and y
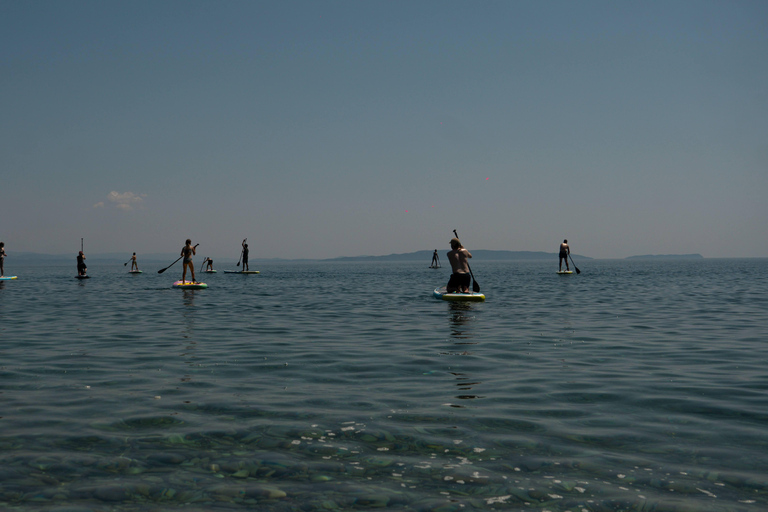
329, 128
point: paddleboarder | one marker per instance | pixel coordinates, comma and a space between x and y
2, 259
245, 256
187, 252
564, 252
209, 266
435, 260
81, 268
133, 263
458, 257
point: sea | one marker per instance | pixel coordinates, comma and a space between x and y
635, 385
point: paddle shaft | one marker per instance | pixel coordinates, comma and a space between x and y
475, 285
172, 264
574, 265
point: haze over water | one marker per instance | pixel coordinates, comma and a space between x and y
637, 385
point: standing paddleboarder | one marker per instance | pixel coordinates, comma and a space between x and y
187, 252
2, 259
81, 268
245, 256
458, 257
564, 252
133, 263
435, 260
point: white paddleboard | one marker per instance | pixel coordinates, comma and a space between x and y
442, 294
241, 271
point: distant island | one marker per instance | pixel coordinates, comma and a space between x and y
476, 254
667, 257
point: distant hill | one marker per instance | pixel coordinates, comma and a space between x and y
476, 254
667, 257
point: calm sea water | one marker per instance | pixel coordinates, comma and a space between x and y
637, 385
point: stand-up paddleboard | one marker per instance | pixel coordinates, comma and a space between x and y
7, 278
565, 272
434, 267
241, 271
189, 285
83, 277
135, 271
442, 294
210, 271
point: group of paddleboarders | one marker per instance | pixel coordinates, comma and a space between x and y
186, 253
459, 256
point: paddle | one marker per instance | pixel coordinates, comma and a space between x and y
574, 265
172, 264
169, 266
127, 262
475, 286
203, 264
241, 253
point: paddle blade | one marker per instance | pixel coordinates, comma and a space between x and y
577, 269
162, 270
475, 286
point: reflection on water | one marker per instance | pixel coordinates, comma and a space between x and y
189, 297
461, 316
188, 313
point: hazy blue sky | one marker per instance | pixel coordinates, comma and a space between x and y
343, 128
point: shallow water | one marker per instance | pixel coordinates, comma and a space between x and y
637, 385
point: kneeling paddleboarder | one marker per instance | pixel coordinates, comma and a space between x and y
458, 257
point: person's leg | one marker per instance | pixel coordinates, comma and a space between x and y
465, 284
451, 287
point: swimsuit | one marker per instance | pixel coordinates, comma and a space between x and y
458, 281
